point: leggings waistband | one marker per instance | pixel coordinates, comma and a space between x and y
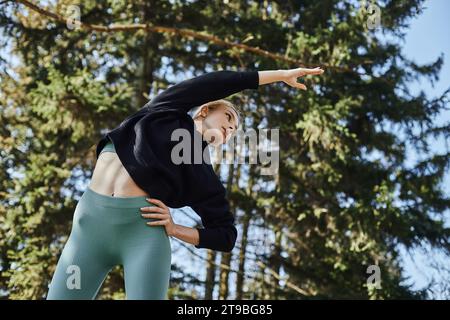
115, 202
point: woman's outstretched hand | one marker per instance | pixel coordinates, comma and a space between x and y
291, 75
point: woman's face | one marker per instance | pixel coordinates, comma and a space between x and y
219, 124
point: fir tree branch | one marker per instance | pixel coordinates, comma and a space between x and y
189, 34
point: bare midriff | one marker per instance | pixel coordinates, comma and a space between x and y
112, 179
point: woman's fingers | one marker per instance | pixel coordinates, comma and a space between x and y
157, 202
315, 72
155, 215
308, 71
298, 85
163, 218
158, 223
153, 209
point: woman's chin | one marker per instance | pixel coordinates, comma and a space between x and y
216, 141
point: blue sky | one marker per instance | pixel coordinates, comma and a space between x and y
426, 39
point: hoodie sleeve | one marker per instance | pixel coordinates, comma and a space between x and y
204, 88
219, 232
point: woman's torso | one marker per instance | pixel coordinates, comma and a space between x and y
111, 178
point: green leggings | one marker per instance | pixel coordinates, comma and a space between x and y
109, 231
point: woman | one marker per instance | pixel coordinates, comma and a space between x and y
137, 178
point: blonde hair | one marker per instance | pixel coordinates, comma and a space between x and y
216, 103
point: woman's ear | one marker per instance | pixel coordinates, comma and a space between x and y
204, 112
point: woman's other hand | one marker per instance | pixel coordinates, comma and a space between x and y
162, 212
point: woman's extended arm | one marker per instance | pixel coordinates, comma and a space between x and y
221, 84
288, 76
207, 87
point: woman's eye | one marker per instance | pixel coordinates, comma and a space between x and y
229, 117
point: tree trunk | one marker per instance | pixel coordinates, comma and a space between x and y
210, 275
149, 48
245, 227
211, 259
225, 264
